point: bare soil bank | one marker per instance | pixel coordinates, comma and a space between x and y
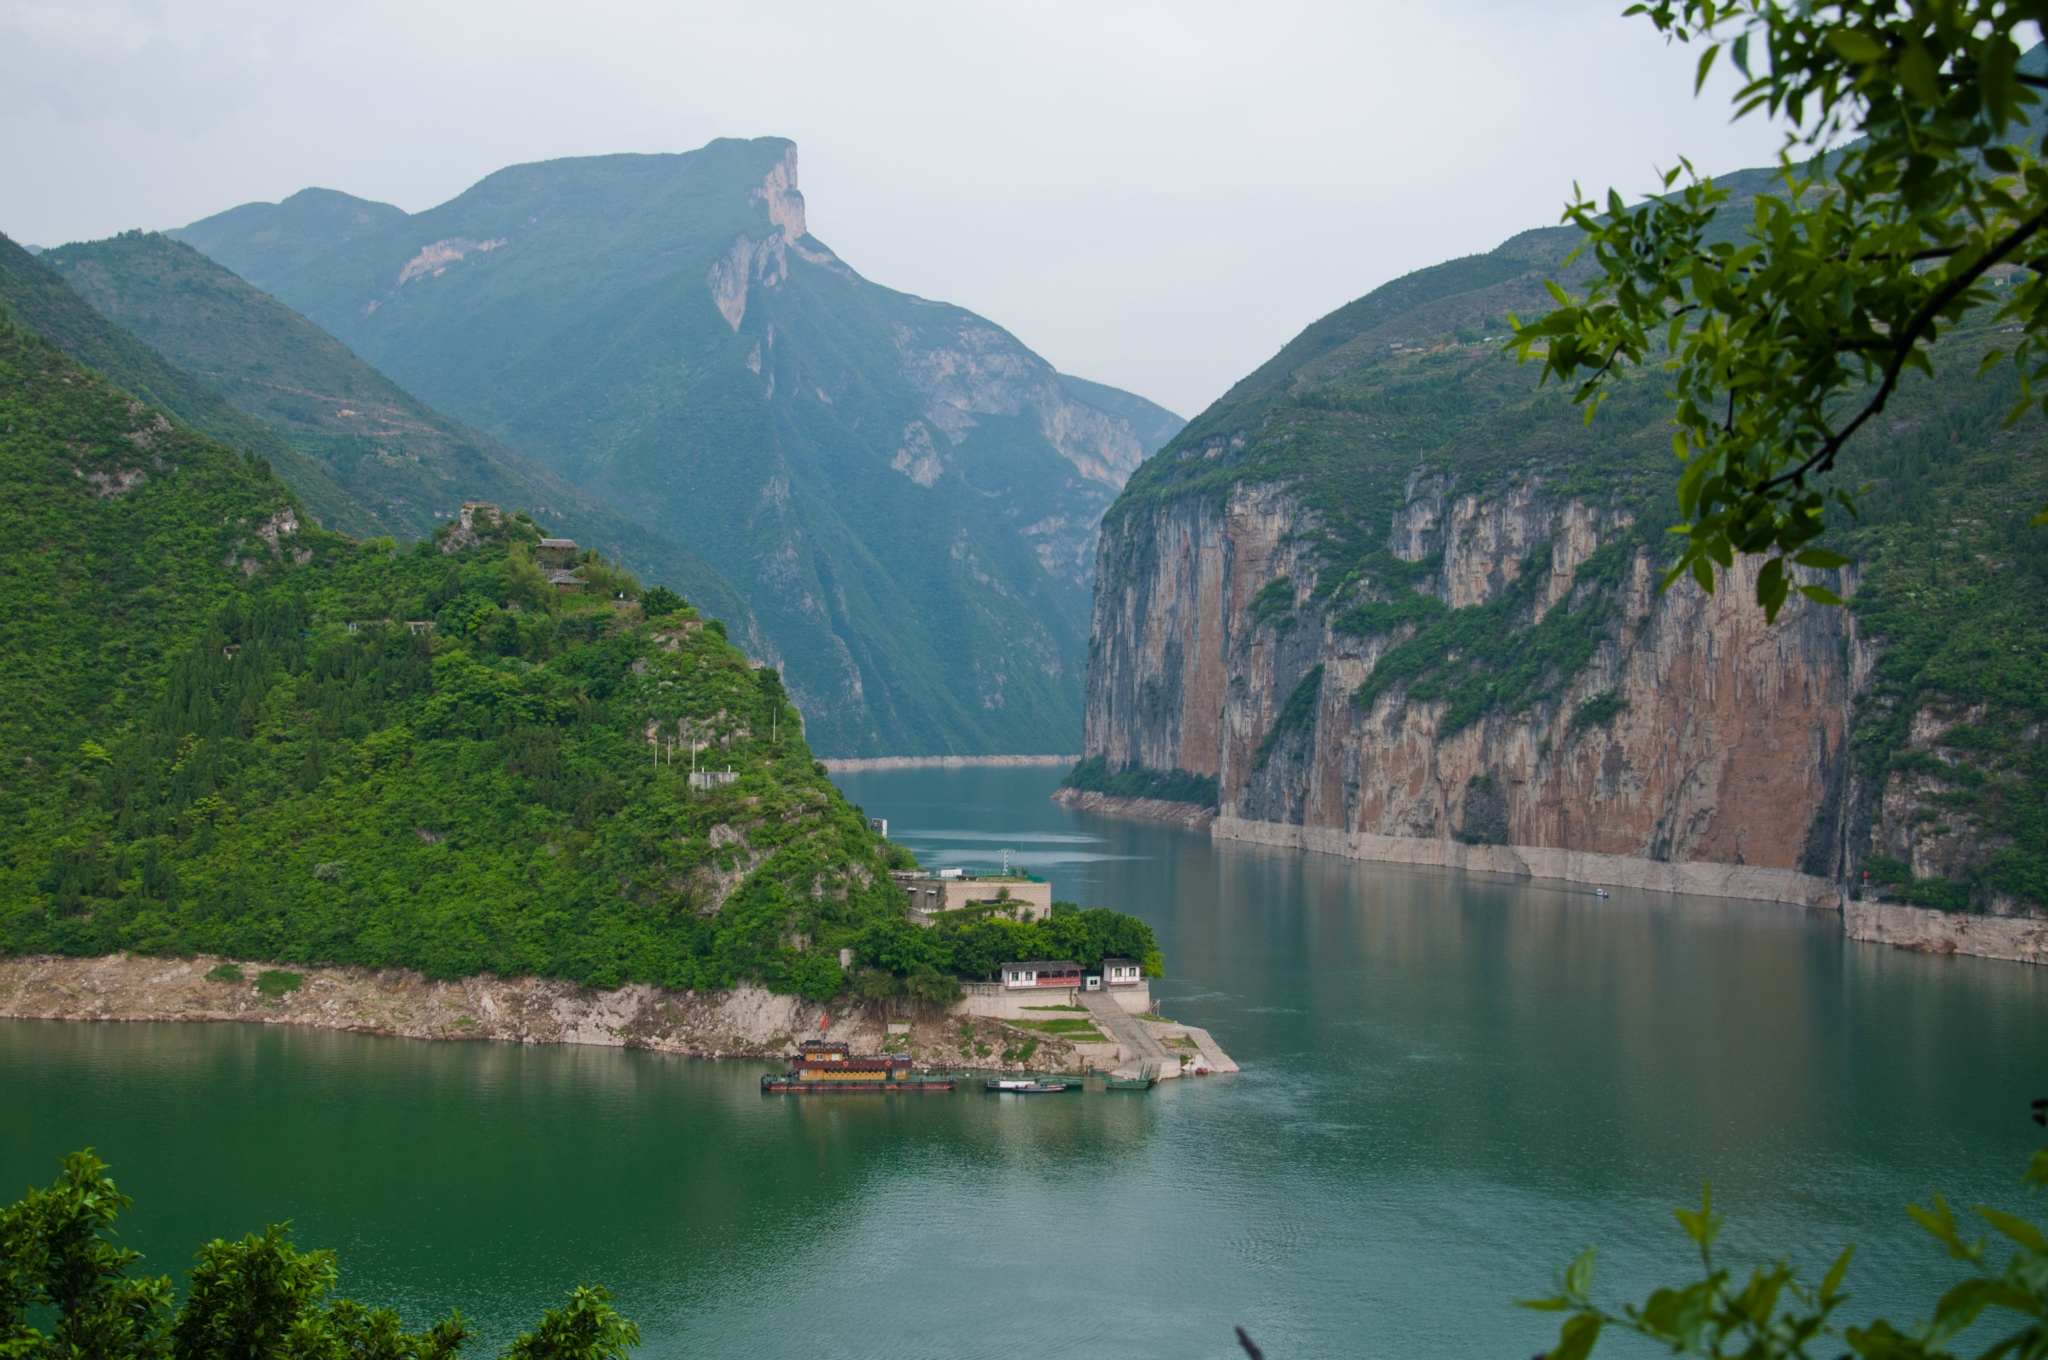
746, 1022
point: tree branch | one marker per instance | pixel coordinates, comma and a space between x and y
1823, 458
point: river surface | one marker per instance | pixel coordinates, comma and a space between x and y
1452, 1084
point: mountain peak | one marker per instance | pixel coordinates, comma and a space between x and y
778, 193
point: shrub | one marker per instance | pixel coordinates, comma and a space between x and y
275, 982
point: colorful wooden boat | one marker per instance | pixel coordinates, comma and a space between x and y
822, 1067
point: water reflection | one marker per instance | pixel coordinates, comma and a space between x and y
1453, 1083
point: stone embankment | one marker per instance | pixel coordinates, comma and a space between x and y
1193, 816
1703, 879
746, 1022
2021, 939
2018, 939
865, 763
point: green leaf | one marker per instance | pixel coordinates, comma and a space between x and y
1820, 594
1917, 73
2018, 1229
1856, 46
1702, 1227
1699, 79
1771, 588
1836, 1272
1821, 558
1578, 1277
1575, 1339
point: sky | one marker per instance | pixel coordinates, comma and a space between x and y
1156, 196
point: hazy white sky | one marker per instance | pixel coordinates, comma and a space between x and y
1152, 195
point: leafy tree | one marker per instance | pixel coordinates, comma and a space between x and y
1786, 336
661, 601
586, 1329
54, 1256
257, 1299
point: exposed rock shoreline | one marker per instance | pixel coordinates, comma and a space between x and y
746, 1022
2018, 939
1754, 882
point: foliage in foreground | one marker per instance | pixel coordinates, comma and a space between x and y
1773, 1314
257, 1299
1782, 344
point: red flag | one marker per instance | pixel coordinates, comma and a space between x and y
823, 1021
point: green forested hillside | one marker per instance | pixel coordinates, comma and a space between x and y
225, 736
378, 460
37, 297
904, 494
231, 730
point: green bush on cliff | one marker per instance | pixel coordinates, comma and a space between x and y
1093, 775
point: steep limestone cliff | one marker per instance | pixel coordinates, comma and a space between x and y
1389, 598
1722, 739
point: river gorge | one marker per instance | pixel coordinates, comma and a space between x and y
1453, 1082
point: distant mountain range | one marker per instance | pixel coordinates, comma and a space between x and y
905, 495
368, 458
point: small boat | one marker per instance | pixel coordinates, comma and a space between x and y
1599, 892
1030, 1086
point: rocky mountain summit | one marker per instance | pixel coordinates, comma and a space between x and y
904, 493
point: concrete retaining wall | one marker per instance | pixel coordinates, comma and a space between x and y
1529, 861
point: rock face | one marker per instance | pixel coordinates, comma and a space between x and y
1719, 739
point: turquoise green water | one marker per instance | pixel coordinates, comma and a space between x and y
1452, 1085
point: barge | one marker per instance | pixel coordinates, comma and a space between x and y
827, 1067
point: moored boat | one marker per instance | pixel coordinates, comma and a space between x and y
827, 1067
1147, 1077
1030, 1086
